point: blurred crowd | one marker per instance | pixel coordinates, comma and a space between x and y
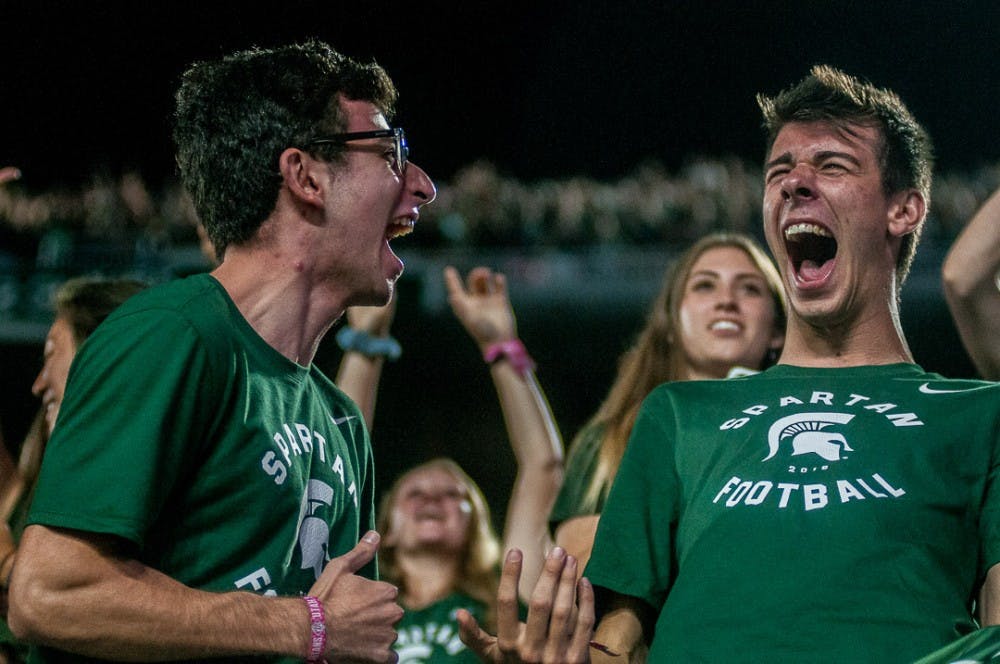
126, 226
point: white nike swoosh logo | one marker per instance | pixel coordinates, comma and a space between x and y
927, 389
341, 420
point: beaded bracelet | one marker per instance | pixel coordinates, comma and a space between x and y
361, 342
317, 629
515, 353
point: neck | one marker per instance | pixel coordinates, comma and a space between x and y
426, 577
873, 341
274, 291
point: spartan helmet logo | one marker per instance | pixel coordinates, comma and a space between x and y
808, 436
314, 533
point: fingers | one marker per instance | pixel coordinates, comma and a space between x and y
508, 622
543, 597
471, 634
8, 173
564, 607
453, 282
362, 553
583, 630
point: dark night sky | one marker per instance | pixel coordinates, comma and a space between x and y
542, 89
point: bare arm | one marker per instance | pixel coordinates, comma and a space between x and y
989, 598
971, 276
359, 374
483, 307
577, 535
76, 591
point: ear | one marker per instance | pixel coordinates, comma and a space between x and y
906, 212
777, 339
301, 176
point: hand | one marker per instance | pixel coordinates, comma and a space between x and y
373, 320
8, 173
481, 305
361, 614
559, 626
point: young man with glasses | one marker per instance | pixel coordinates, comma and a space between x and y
206, 486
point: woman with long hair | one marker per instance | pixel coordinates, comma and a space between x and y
721, 308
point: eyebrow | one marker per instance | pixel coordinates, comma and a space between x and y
786, 158
739, 275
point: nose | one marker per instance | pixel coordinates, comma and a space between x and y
419, 184
41, 382
798, 183
727, 300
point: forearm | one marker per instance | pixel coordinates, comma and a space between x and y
538, 448
358, 376
74, 594
622, 631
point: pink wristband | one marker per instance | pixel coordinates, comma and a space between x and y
317, 629
515, 353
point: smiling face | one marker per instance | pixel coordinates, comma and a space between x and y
432, 511
829, 223
727, 314
369, 202
60, 347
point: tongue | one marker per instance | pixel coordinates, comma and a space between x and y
812, 271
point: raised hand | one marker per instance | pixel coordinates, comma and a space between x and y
560, 619
361, 614
376, 321
8, 173
482, 305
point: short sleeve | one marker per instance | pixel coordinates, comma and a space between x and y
127, 428
634, 550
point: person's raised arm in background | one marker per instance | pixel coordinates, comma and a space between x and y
482, 305
971, 276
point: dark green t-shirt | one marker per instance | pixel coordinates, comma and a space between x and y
806, 515
580, 468
226, 465
430, 635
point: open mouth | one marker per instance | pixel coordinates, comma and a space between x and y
399, 229
812, 250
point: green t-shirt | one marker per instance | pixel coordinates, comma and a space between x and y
430, 635
580, 468
806, 515
224, 464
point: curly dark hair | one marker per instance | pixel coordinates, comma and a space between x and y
236, 115
905, 154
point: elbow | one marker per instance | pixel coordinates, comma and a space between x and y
958, 282
31, 611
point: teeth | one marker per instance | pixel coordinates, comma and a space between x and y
400, 228
806, 228
725, 325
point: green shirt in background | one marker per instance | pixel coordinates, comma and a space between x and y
807, 515
430, 635
224, 464
580, 469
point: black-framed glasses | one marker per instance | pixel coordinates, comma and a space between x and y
401, 151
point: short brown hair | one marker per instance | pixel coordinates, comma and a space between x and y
829, 95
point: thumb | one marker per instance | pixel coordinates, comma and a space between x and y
362, 553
